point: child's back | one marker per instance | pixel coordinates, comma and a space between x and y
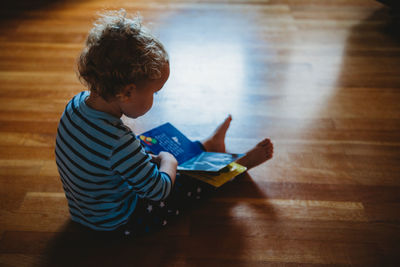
103, 167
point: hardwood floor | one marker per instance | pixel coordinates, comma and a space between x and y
320, 78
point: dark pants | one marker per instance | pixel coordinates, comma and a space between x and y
150, 216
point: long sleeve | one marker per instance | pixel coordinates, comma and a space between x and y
134, 166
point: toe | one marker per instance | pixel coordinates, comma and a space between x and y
264, 142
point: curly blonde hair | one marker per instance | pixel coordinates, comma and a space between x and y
119, 51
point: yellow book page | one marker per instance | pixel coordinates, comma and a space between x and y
234, 169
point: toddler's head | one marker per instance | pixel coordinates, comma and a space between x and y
119, 52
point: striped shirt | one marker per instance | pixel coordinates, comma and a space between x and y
103, 167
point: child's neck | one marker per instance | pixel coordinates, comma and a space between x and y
96, 102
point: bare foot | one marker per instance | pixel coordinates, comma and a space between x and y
262, 152
216, 142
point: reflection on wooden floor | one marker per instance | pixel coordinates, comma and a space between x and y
321, 78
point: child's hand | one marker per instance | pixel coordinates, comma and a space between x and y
167, 163
164, 158
155, 159
168, 158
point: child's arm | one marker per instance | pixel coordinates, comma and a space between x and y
133, 164
167, 163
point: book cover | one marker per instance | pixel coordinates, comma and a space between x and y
167, 138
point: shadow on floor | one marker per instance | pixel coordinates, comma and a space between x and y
183, 242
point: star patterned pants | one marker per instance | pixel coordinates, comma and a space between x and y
150, 216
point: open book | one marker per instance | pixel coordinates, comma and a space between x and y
211, 167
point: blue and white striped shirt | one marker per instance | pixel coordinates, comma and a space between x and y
103, 167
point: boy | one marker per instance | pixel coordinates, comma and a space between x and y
109, 180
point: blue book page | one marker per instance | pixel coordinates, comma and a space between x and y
167, 138
209, 162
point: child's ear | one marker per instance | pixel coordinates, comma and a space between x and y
126, 92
